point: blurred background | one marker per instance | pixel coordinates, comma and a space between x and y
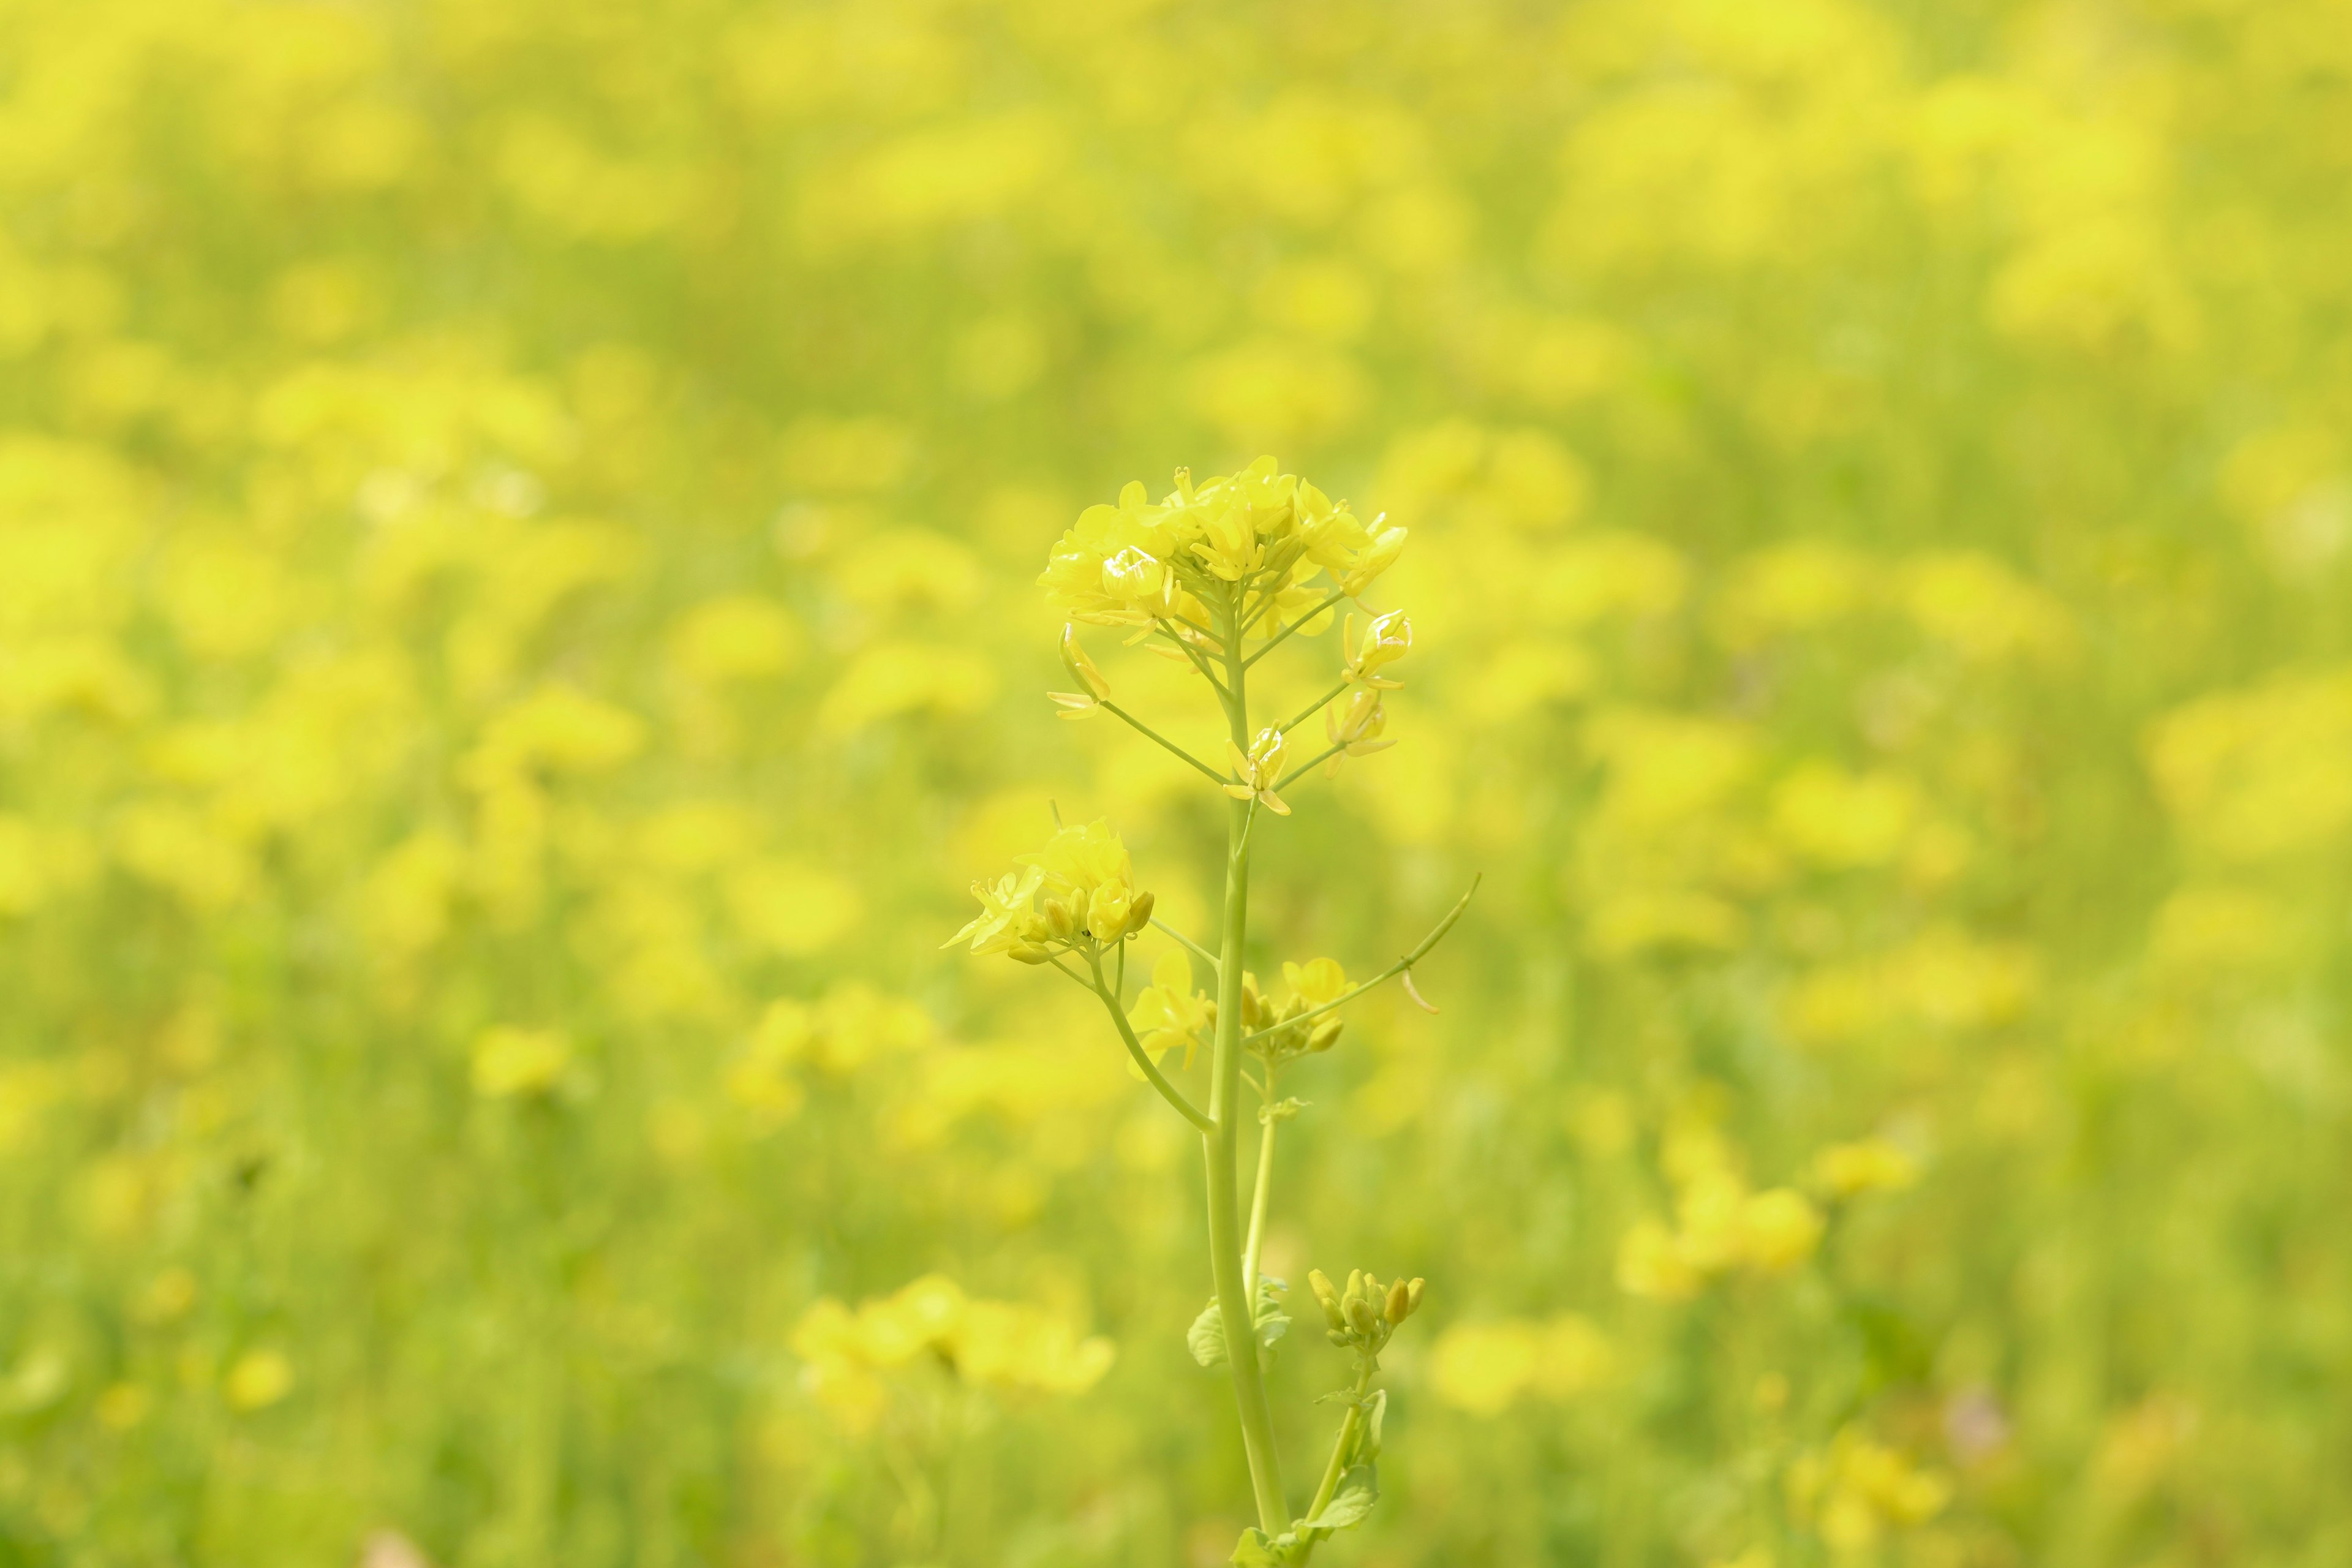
517, 523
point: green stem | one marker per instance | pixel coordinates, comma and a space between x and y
1237, 1296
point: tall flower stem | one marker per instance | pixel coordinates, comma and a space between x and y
1236, 1294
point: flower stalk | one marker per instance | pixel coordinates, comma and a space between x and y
1264, 556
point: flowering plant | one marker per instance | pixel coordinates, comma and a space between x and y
1218, 575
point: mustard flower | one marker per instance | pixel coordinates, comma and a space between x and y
1171, 1013
1386, 639
1355, 726
1258, 770
1005, 922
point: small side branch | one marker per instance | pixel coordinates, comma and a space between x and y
1152, 734
1314, 707
1310, 766
1187, 943
1158, 1079
1399, 967
1288, 632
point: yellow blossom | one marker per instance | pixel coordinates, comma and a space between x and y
1169, 1013
1258, 770
1386, 639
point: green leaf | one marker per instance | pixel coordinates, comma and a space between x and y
1359, 1488
1254, 1550
1272, 1321
1206, 1338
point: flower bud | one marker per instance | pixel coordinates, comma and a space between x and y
1254, 1008
1028, 953
1399, 1305
1355, 1284
1325, 1035
1328, 1297
1360, 1316
1057, 919
1139, 914
1336, 1336
1412, 1295
1078, 907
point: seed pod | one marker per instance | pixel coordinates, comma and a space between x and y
1400, 1302
1325, 1035
1139, 913
1412, 1295
1057, 918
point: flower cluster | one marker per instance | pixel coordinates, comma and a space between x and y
1078, 894
1256, 539
1363, 1316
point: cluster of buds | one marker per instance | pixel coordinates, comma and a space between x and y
1077, 895
1367, 1312
1286, 1032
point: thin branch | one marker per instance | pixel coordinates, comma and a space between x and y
1292, 629
1314, 707
1215, 776
1195, 948
1399, 967
1158, 1079
1303, 769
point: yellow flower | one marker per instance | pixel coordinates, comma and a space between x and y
1386, 639
1317, 982
1004, 918
1258, 770
1169, 1013
1354, 727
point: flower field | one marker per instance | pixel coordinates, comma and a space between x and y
520, 620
